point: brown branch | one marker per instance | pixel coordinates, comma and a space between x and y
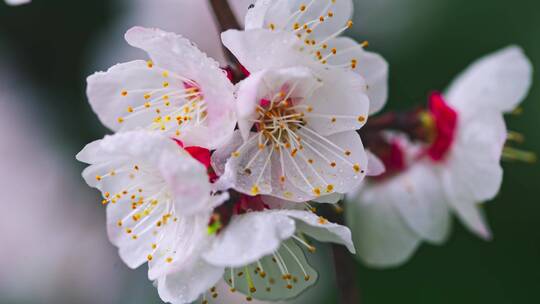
226, 20
349, 292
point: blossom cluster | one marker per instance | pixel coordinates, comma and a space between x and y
208, 178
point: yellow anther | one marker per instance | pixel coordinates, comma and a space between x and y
330, 14
349, 23
149, 64
130, 109
311, 161
347, 152
361, 118
255, 190
322, 220
334, 51
296, 26
165, 74
124, 93
169, 260
235, 154
147, 96
119, 223
165, 84
356, 168
272, 26
98, 177
134, 237
282, 179
107, 194
321, 18
149, 257
129, 231
333, 119
303, 7
120, 120
329, 188
317, 191
104, 202
364, 44
147, 105
154, 246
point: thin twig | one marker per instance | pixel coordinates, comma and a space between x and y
349, 292
225, 20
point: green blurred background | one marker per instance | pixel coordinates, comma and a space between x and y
426, 43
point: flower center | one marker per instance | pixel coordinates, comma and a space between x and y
443, 125
278, 122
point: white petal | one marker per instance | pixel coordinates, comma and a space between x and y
380, 235
323, 166
283, 14
471, 215
261, 49
335, 163
223, 153
186, 286
375, 165
320, 229
180, 246
419, 197
339, 105
499, 81
371, 66
473, 171
250, 237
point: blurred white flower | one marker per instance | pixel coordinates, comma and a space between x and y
181, 92
458, 171
318, 24
17, 2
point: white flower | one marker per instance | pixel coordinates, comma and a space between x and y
317, 25
161, 209
181, 92
17, 2
460, 170
302, 146
158, 198
258, 254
